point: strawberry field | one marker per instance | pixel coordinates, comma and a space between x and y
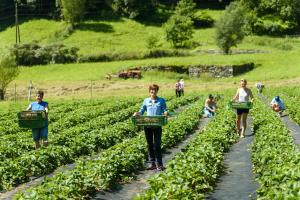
105, 149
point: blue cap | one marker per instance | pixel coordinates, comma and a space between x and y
277, 98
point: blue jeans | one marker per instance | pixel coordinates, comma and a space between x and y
40, 133
153, 137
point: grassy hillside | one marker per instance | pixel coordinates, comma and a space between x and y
279, 62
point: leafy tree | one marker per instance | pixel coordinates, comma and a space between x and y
132, 8
179, 27
185, 8
286, 10
179, 30
73, 10
230, 27
8, 72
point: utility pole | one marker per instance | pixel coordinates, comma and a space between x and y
18, 40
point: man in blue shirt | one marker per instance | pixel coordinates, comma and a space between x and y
40, 133
154, 105
277, 105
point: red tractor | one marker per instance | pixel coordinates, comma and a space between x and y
130, 74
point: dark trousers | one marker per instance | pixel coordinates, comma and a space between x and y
153, 137
178, 93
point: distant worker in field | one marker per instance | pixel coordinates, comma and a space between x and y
210, 107
259, 87
154, 106
181, 87
39, 134
243, 94
278, 105
178, 88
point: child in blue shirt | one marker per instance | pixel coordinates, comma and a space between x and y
40, 133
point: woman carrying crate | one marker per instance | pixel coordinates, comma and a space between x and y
40, 133
243, 94
154, 106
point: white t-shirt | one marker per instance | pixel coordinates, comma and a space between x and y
243, 95
181, 84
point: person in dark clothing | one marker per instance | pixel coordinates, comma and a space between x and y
154, 106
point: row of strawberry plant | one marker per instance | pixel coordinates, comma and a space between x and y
83, 143
193, 172
9, 124
112, 165
275, 157
21, 146
78, 116
23, 141
291, 98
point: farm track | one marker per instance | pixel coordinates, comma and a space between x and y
38, 180
289, 123
128, 191
238, 181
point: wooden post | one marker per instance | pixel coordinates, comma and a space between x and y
91, 89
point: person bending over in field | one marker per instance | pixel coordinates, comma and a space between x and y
259, 87
39, 134
210, 107
154, 105
277, 105
243, 94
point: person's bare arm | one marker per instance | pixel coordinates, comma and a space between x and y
236, 97
251, 95
29, 107
47, 110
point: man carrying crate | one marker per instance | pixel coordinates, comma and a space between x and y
40, 133
154, 106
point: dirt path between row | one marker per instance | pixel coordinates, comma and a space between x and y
38, 180
238, 181
128, 191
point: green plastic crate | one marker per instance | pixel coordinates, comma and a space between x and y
240, 105
32, 119
149, 120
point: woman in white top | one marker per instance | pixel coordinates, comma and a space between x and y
243, 94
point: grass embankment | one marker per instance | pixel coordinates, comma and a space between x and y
281, 62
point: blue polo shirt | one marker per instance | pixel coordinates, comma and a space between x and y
34, 106
153, 107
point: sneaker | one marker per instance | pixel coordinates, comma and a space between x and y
160, 168
151, 166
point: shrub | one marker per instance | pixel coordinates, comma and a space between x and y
113, 56
202, 19
132, 8
273, 26
152, 42
179, 30
33, 54
73, 10
8, 72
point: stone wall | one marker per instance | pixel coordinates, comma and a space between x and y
219, 71
216, 71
